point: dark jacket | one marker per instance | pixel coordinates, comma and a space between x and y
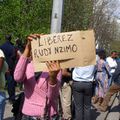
116, 75
9, 51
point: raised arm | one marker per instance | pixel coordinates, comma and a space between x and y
19, 73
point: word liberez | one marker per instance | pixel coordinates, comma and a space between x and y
47, 48
55, 39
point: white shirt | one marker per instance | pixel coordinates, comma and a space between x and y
112, 63
84, 73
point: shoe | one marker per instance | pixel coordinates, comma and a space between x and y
95, 99
100, 100
102, 108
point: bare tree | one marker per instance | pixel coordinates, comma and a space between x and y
104, 23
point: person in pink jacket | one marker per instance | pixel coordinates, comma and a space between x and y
41, 92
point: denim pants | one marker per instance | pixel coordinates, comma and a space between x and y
82, 94
2, 104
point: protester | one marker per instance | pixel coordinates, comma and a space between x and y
19, 48
66, 94
41, 89
114, 88
9, 52
112, 63
118, 57
82, 91
102, 77
3, 69
95, 83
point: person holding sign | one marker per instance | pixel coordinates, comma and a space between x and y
41, 89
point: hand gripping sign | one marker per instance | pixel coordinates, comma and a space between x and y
72, 49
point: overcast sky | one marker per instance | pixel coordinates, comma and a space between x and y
117, 12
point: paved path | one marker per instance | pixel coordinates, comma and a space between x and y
8, 115
112, 114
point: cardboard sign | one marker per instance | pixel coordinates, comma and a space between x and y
72, 49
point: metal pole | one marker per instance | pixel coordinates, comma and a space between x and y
56, 19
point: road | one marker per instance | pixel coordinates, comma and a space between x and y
112, 114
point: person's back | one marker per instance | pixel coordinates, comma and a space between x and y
9, 50
84, 73
82, 91
102, 78
112, 62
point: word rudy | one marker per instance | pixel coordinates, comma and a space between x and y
56, 50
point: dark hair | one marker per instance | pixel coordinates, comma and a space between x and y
99, 50
113, 52
8, 37
102, 54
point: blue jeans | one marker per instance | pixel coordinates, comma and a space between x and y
2, 104
82, 93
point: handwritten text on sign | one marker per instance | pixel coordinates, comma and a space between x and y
73, 49
51, 47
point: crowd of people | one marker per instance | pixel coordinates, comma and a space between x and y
67, 93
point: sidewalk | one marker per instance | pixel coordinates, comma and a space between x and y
8, 114
112, 114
